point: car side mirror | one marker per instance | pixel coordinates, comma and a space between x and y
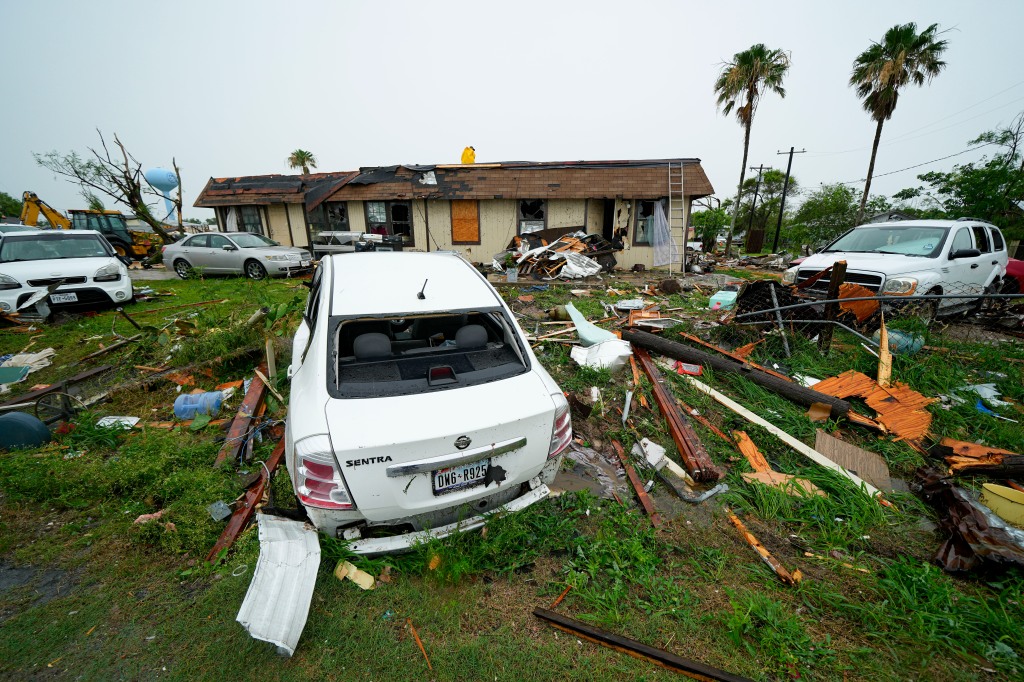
964, 253
127, 260
229, 247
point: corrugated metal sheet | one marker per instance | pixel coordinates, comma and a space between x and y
277, 603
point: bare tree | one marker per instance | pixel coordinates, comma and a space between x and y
118, 176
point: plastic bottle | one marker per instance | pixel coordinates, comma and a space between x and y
188, 405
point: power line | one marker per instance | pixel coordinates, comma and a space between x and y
882, 175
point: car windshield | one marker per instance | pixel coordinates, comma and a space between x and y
252, 241
907, 240
43, 246
375, 357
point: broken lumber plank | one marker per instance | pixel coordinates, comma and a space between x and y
113, 346
789, 440
787, 389
691, 450
247, 507
636, 649
178, 307
645, 500
766, 556
735, 355
247, 411
972, 459
764, 474
693, 412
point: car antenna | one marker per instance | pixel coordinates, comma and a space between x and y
420, 295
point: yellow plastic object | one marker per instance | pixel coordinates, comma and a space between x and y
1006, 503
469, 155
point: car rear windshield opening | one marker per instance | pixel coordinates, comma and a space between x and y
374, 357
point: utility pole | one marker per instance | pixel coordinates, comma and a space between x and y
757, 188
782, 205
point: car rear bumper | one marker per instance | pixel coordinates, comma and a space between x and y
407, 541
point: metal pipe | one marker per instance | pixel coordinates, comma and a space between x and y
838, 324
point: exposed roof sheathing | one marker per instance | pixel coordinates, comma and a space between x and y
642, 179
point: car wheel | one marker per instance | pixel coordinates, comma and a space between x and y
120, 249
183, 269
924, 311
255, 270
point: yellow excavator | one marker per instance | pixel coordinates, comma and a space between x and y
111, 224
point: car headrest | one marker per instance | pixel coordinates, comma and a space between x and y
471, 336
371, 346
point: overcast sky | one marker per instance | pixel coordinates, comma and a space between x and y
231, 88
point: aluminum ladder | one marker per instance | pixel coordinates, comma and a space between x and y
677, 214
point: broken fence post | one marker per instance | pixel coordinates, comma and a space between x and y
835, 280
787, 389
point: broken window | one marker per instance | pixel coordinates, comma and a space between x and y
390, 218
337, 216
251, 221
532, 215
644, 222
981, 238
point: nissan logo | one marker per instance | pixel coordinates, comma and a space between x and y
462, 442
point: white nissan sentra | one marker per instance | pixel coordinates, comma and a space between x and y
416, 406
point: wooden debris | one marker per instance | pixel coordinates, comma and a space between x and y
812, 555
419, 643
743, 352
638, 486
113, 346
734, 355
177, 307
561, 596
789, 440
900, 409
346, 569
693, 412
665, 659
862, 310
819, 412
884, 357
694, 455
973, 459
784, 575
868, 465
636, 381
247, 507
764, 474
247, 411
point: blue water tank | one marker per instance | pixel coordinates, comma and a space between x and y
188, 405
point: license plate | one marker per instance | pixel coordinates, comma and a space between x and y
305, 263
63, 298
463, 476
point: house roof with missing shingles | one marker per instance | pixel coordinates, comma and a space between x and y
626, 179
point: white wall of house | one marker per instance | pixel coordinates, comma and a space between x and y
498, 219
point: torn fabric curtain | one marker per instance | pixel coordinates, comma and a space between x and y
665, 251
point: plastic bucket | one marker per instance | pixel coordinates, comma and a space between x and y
187, 406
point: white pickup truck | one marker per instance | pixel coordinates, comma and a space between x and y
913, 257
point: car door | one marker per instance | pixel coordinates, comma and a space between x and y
966, 274
190, 248
221, 259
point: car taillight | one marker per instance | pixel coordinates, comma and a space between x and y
318, 481
561, 432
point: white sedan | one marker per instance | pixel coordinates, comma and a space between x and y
416, 403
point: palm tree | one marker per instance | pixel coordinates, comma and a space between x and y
300, 158
904, 56
739, 87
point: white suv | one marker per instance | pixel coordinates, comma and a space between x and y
913, 257
60, 269
416, 403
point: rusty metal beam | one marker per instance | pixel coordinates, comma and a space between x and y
638, 486
665, 659
247, 411
692, 451
247, 507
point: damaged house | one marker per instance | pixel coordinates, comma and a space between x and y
474, 209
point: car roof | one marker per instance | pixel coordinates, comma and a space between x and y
383, 282
924, 223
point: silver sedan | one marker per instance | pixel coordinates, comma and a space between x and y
235, 253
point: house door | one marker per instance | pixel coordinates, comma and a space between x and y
466, 221
608, 223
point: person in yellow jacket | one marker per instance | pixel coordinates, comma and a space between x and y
469, 155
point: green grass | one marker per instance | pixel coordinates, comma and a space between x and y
136, 600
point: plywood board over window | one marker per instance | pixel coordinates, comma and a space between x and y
466, 221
